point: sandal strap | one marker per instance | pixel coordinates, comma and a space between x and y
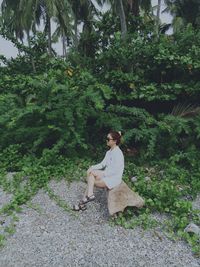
79, 207
92, 197
87, 199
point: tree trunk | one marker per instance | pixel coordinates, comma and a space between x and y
134, 7
29, 45
64, 45
49, 35
158, 17
120, 8
76, 33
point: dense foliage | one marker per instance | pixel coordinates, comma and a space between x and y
55, 113
147, 88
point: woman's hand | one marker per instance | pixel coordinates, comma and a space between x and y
95, 173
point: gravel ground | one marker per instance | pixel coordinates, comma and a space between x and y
4, 198
48, 236
5, 221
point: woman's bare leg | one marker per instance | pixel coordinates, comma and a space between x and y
88, 175
90, 185
93, 180
100, 184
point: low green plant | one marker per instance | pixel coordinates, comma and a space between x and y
60, 202
2, 240
167, 187
9, 229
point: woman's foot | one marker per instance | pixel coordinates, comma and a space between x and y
87, 199
79, 207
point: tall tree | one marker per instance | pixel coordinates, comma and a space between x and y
25, 15
134, 6
64, 19
122, 17
184, 12
125, 7
84, 12
158, 17
118, 7
12, 18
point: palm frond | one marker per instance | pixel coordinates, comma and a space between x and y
185, 110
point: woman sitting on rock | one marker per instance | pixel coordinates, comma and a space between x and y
108, 173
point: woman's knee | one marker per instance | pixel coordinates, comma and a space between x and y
89, 172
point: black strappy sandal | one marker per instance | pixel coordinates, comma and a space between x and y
80, 206
87, 199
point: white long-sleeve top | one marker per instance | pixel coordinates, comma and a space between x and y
113, 163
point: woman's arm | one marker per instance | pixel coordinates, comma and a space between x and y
116, 167
99, 166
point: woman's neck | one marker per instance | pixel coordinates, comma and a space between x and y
112, 147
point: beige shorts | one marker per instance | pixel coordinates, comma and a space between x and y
99, 175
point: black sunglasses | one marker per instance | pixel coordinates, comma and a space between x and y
108, 139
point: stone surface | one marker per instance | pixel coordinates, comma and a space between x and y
134, 179
121, 197
4, 198
196, 203
192, 228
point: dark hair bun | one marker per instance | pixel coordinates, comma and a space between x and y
116, 136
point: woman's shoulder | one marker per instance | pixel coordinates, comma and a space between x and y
118, 150
107, 152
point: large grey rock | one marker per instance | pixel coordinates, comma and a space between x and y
134, 179
196, 203
192, 228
